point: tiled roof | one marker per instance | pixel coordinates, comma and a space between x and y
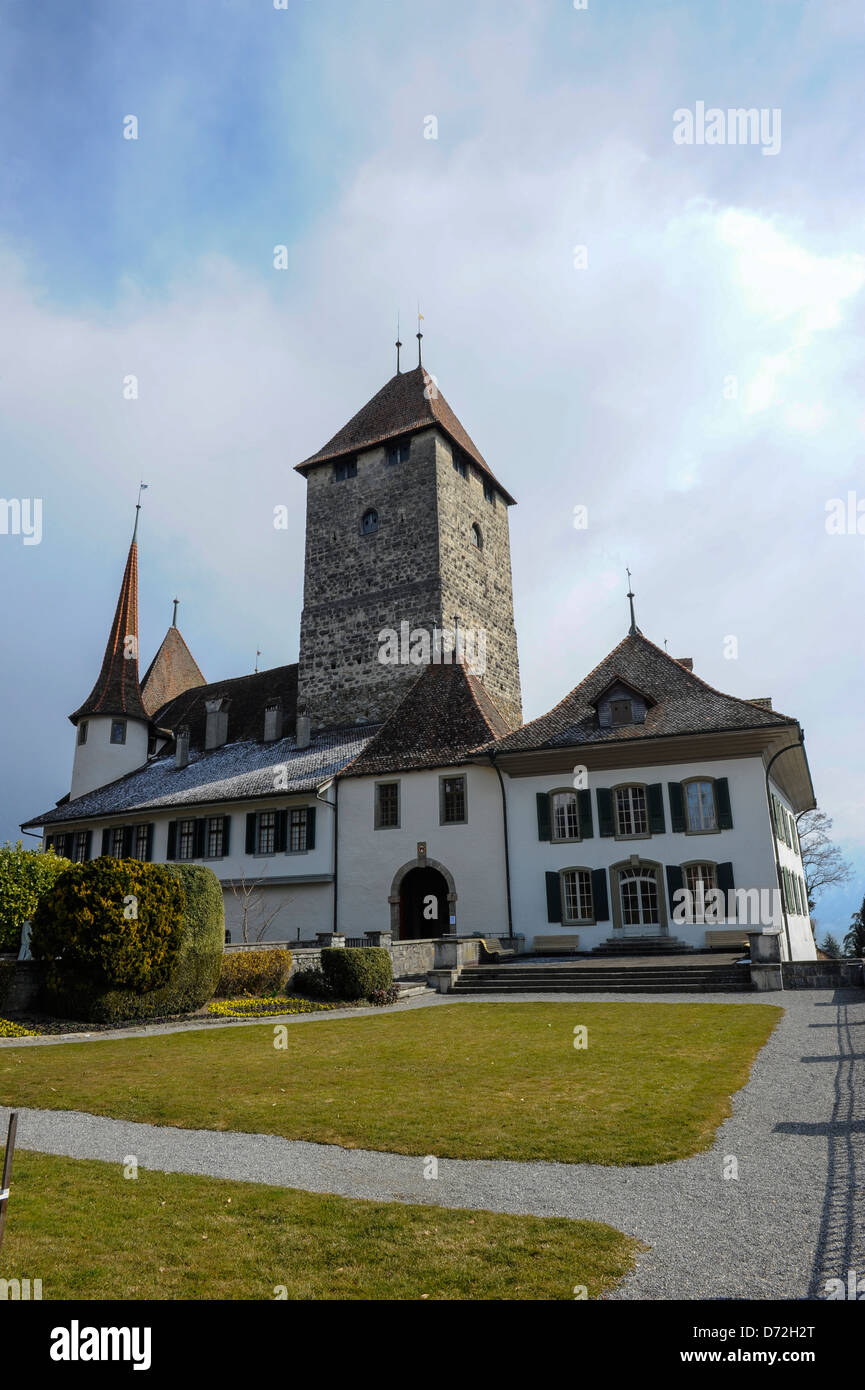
679, 703
172, 671
235, 772
444, 716
116, 691
409, 402
248, 696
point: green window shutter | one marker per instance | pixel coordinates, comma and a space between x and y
779, 833
106, 840
554, 898
250, 833
226, 835
722, 801
655, 798
600, 899
675, 881
543, 805
584, 811
605, 811
797, 894
127, 841
788, 829
677, 806
88, 840
198, 842
804, 891
794, 837
310, 827
171, 851
279, 840
725, 877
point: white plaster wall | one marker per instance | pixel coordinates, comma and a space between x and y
748, 846
801, 935
99, 761
473, 853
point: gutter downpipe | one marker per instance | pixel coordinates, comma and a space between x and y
774, 829
335, 808
492, 758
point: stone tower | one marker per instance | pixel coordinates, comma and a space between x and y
406, 531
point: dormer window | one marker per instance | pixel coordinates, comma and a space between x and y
344, 468
621, 712
399, 453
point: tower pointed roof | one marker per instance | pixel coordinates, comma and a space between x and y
409, 402
172, 671
117, 691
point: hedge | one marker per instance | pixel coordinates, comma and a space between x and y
25, 874
115, 924
355, 972
254, 973
193, 976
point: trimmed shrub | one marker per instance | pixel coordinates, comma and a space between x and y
7, 972
254, 973
356, 972
110, 923
25, 874
311, 983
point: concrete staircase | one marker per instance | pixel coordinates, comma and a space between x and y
642, 946
582, 978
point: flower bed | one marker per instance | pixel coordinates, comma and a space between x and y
266, 1008
8, 1029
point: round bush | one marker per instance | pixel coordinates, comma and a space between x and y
25, 874
356, 972
254, 973
110, 923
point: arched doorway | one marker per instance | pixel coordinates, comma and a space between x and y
423, 904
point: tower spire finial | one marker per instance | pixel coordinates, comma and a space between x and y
398, 344
142, 487
419, 335
633, 627
174, 619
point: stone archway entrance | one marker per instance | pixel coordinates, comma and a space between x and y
422, 901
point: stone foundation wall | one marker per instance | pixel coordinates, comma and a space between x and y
822, 974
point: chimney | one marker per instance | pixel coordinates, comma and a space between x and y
273, 721
216, 731
686, 661
302, 729
181, 755
763, 702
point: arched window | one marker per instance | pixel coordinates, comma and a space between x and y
477, 538
369, 521
640, 900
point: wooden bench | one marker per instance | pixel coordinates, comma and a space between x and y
730, 937
548, 945
494, 947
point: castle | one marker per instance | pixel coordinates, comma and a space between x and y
358, 791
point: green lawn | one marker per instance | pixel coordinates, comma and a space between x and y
460, 1081
89, 1233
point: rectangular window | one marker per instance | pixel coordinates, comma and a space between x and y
489, 493
79, 846
453, 800
565, 821
631, 817
621, 712
387, 806
700, 806
265, 838
82, 731
344, 468
699, 880
399, 453
214, 838
297, 831
577, 895
118, 731
115, 842
140, 842
460, 465
186, 839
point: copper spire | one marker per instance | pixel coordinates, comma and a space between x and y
117, 690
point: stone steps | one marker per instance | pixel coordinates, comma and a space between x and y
636, 979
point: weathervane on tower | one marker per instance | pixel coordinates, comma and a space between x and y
633, 627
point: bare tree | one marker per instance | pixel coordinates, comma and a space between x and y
823, 864
251, 900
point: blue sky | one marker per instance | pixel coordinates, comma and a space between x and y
602, 386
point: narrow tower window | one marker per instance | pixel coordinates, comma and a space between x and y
118, 731
369, 521
477, 538
344, 468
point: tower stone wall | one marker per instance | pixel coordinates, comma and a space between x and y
418, 568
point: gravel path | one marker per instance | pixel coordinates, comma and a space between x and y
794, 1217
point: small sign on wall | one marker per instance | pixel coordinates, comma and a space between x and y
421, 849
